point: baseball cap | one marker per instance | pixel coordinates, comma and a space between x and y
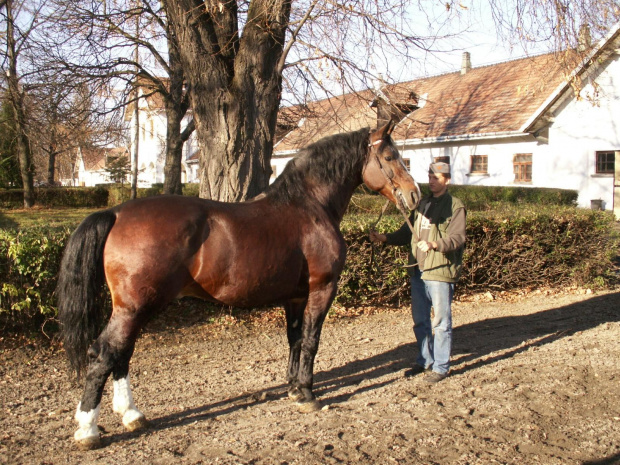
439, 168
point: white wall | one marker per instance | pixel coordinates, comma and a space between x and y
278, 163
500, 154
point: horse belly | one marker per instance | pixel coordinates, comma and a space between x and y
252, 283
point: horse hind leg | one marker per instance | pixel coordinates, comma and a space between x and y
294, 318
122, 402
99, 368
110, 353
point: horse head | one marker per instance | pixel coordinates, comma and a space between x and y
385, 172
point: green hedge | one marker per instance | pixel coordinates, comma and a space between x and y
478, 198
102, 195
74, 197
120, 194
29, 263
507, 249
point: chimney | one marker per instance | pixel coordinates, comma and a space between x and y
465, 63
584, 40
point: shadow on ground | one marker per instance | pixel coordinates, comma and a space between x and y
511, 335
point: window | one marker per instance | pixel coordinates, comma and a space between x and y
441, 160
605, 162
407, 163
523, 167
479, 164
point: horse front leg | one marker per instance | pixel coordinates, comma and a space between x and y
318, 305
294, 320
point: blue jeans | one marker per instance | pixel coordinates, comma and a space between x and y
434, 350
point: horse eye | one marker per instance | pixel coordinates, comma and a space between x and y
388, 158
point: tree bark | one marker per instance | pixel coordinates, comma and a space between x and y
235, 89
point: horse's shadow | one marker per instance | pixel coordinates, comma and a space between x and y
511, 335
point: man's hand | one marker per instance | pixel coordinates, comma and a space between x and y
425, 246
374, 236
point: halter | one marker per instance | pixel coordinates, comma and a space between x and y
399, 205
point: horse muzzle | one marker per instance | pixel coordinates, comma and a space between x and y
408, 198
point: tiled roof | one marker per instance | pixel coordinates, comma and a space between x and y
324, 118
95, 157
492, 99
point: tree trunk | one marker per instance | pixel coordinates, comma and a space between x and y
136, 147
174, 151
134, 170
176, 107
51, 165
235, 90
16, 99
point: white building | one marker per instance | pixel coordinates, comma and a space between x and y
91, 163
521, 122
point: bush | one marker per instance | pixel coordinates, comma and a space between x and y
120, 194
29, 263
507, 249
74, 197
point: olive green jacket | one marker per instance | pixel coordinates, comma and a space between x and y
448, 220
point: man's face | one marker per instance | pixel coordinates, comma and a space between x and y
438, 184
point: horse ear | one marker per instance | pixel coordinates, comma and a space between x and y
382, 132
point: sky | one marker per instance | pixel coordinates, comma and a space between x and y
469, 27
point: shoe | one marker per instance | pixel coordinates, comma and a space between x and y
416, 370
434, 377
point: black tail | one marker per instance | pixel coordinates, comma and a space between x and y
80, 286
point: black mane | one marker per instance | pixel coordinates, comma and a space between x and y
332, 160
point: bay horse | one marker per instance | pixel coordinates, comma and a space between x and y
283, 247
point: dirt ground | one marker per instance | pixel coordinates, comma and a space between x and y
534, 381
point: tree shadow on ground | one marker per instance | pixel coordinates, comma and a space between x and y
7, 222
511, 335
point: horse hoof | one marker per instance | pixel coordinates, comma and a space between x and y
89, 443
137, 424
309, 406
295, 395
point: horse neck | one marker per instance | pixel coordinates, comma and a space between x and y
334, 199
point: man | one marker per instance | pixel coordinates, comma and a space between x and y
437, 244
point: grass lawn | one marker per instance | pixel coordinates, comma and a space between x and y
51, 217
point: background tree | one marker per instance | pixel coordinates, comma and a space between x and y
105, 37
119, 169
63, 118
19, 20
